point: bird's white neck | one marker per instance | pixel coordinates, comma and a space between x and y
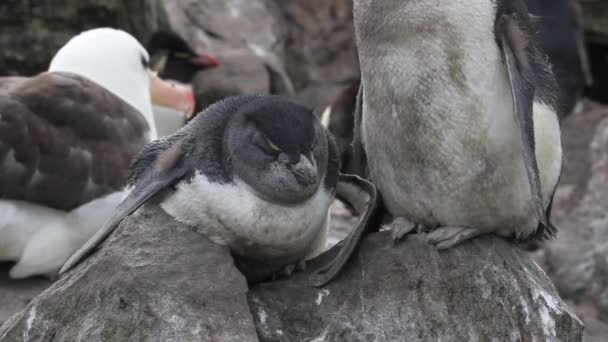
114, 69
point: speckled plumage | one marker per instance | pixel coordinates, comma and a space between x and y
255, 173
438, 121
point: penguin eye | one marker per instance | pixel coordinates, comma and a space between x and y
272, 145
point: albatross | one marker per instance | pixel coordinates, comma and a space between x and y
67, 137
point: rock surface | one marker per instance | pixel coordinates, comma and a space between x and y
157, 280
154, 280
483, 290
16, 294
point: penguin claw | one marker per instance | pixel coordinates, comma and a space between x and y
400, 227
447, 237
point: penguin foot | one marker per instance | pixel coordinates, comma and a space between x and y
446, 237
292, 268
400, 227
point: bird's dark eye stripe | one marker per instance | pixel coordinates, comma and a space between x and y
144, 61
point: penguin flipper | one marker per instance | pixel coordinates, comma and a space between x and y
363, 197
515, 48
161, 169
359, 160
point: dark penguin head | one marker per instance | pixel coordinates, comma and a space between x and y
278, 148
171, 57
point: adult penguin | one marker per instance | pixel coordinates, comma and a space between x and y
459, 117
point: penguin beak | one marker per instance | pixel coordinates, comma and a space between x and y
172, 95
305, 171
205, 61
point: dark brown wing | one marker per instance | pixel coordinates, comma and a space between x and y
64, 140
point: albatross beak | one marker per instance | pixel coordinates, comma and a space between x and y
172, 95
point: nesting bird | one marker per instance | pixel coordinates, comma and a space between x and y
255, 173
174, 59
67, 137
459, 117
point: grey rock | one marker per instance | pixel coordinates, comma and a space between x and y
157, 280
153, 280
485, 289
16, 294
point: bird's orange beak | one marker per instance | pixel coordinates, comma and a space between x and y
173, 95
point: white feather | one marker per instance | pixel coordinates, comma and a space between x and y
231, 213
547, 136
113, 59
40, 239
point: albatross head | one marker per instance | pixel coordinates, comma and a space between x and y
118, 62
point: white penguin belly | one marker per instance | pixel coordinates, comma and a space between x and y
442, 139
231, 214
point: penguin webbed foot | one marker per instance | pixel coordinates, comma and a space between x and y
449, 236
292, 268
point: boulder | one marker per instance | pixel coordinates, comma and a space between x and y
157, 280
153, 280
483, 290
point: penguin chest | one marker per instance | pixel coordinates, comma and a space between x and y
441, 135
232, 214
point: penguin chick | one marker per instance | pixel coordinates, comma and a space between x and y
255, 173
459, 118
